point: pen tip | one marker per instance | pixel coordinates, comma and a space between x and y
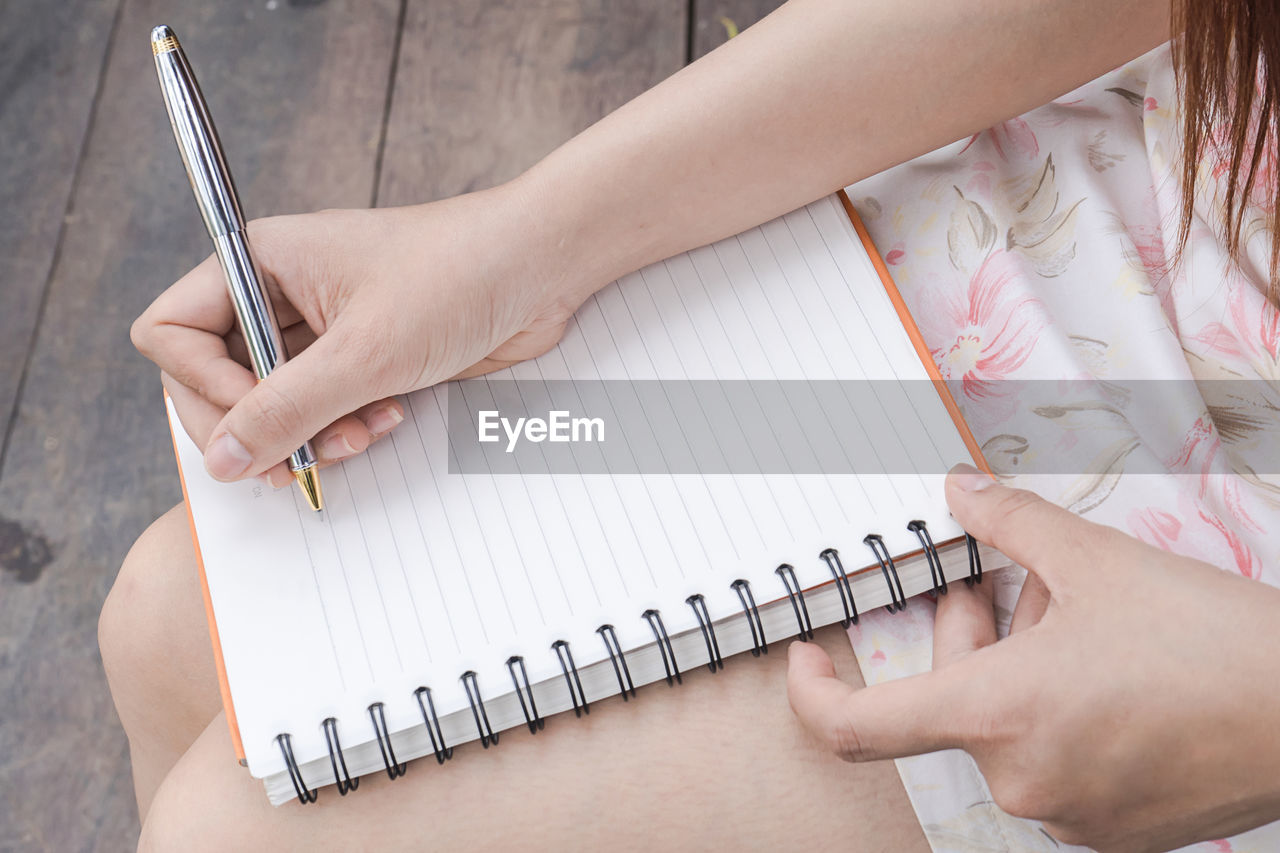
309, 482
163, 39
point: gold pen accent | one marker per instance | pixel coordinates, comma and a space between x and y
164, 45
309, 483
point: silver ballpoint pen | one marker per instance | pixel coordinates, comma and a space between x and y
216, 194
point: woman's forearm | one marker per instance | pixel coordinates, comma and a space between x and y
816, 96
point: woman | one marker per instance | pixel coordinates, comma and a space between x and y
1169, 743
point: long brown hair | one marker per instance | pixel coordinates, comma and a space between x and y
1227, 55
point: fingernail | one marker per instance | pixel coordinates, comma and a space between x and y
969, 479
273, 479
384, 419
336, 447
227, 458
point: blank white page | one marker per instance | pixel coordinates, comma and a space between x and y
413, 575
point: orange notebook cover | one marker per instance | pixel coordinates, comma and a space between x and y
224, 688
908, 323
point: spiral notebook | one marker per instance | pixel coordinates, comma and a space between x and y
426, 608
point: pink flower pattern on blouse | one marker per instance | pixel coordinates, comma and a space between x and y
986, 332
1010, 137
1194, 531
1036, 257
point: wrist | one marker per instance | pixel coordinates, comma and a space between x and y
582, 235
512, 248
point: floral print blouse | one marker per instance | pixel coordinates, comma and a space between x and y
1093, 366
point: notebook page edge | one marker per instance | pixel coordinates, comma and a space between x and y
913, 332
224, 686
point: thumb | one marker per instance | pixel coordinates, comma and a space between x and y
288, 408
906, 716
1026, 528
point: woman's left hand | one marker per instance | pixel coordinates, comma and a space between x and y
1135, 705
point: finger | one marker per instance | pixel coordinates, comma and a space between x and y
344, 438
216, 368
183, 332
381, 417
522, 346
965, 621
352, 434
194, 308
1026, 528
297, 337
198, 417
289, 407
187, 328
1033, 601
200, 299
199, 360
480, 368
907, 716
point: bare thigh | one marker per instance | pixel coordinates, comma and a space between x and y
717, 762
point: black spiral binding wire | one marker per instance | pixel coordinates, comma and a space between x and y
336, 759
378, 714
654, 618
796, 595
530, 710
610, 638
831, 557
442, 750
931, 556
875, 542
626, 686
471, 684
699, 605
759, 645
305, 794
565, 656
975, 561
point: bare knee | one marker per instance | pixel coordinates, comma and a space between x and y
130, 632
156, 651
153, 636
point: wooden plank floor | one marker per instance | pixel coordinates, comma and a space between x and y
320, 104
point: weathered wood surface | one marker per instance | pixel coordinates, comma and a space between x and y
299, 91
485, 89
319, 105
51, 57
714, 20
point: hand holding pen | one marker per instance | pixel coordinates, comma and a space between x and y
370, 304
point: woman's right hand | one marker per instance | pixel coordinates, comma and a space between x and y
372, 303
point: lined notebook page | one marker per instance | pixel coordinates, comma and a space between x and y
413, 575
